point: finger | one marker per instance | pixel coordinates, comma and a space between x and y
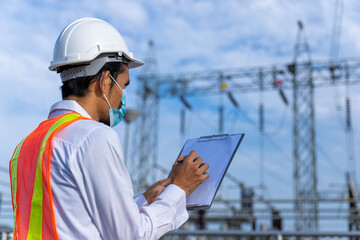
205, 176
179, 159
191, 156
198, 161
204, 166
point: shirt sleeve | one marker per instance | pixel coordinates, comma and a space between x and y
140, 200
107, 192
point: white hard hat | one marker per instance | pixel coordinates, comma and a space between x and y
90, 43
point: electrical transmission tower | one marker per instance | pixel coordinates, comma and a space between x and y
301, 76
305, 177
146, 129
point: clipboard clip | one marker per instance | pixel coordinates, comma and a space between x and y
220, 137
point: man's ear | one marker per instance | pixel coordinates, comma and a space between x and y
105, 81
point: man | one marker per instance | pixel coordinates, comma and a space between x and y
68, 177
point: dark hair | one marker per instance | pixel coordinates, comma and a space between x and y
79, 86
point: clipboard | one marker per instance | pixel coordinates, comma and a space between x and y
218, 151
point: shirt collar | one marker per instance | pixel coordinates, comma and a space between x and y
67, 106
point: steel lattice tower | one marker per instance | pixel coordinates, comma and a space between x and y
305, 177
301, 76
146, 129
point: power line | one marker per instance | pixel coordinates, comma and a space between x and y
281, 124
330, 161
203, 119
336, 30
272, 174
253, 123
274, 144
333, 55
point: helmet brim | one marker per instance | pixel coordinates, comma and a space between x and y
133, 62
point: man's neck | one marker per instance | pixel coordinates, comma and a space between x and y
87, 104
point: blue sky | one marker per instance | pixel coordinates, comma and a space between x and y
189, 35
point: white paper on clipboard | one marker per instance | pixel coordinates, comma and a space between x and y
217, 151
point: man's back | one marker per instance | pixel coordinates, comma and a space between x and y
92, 190
68, 178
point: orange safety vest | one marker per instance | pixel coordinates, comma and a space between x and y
30, 181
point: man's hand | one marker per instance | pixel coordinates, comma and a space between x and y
189, 172
155, 190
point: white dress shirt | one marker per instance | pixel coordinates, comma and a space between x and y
92, 191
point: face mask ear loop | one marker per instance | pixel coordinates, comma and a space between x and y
123, 90
103, 92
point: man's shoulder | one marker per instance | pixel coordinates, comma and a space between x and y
85, 130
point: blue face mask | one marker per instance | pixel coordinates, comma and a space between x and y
115, 114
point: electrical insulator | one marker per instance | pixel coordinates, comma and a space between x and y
233, 100
186, 104
182, 122
348, 114
283, 97
300, 25
261, 116
221, 119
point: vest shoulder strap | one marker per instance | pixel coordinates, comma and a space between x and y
30, 181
